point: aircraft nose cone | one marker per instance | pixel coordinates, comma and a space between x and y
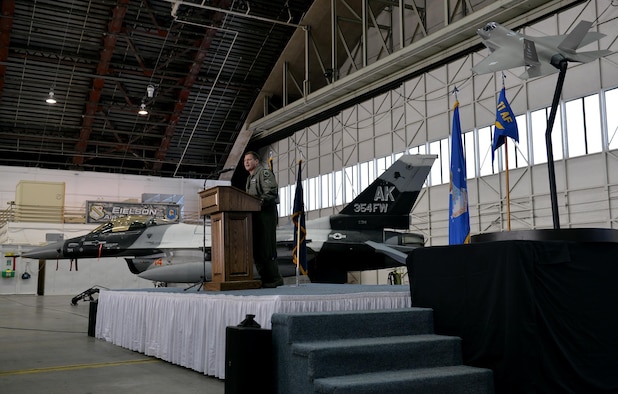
51, 251
483, 34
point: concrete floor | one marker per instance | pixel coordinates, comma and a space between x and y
45, 348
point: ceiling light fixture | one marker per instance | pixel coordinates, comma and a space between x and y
50, 99
142, 109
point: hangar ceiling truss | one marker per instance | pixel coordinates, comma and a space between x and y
206, 66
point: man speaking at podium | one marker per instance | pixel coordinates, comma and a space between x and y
262, 184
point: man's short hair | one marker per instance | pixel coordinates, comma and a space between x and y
254, 154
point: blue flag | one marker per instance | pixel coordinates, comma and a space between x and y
459, 216
505, 126
299, 253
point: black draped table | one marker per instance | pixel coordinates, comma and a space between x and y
541, 314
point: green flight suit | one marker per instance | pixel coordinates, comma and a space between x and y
263, 185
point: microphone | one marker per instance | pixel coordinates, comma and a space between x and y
232, 168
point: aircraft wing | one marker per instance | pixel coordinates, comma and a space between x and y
393, 253
499, 60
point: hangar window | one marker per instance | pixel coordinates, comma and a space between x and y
418, 150
326, 182
312, 196
383, 163
484, 137
521, 157
284, 204
538, 127
468, 146
440, 170
611, 102
338, 187
351, 183
367, 174
583, 124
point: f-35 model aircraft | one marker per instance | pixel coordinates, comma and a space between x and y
180, 253
540, 55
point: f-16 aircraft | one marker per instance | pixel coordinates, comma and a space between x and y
540, 55
180, 253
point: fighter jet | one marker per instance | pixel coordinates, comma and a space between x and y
540, 55
180, 253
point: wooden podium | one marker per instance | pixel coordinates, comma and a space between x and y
231, 237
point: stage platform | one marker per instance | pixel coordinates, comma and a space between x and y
187, 328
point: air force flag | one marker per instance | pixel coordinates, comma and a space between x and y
459, 217
505, 125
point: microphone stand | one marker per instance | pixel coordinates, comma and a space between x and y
201, 283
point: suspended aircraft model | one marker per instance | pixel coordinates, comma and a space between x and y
180, 252
540, 55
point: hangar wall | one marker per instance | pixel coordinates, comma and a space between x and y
413, 116
82, 186
63, 277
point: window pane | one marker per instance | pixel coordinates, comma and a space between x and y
305, 195
326, 183
485, 136
468, 142
611, 103
312, 201
350, 183
366, 174
440, 170
556, 137
445, 160
538, 123
290, 198
339, 188
418, 150
594, 140
538, 120
382, 164
521, 158
284, 207
576, 131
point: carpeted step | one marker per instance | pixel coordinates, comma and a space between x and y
354, 356
292, 328
317, 326
444, 380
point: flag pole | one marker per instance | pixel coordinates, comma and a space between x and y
298, 242
508, 188
298, 254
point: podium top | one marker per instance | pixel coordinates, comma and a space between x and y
227, 199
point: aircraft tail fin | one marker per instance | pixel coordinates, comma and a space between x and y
392, 194
580, 36
575, 38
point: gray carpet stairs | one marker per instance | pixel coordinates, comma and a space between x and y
380, 351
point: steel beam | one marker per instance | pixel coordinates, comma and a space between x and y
109, 44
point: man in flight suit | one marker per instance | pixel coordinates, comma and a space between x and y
261, 183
